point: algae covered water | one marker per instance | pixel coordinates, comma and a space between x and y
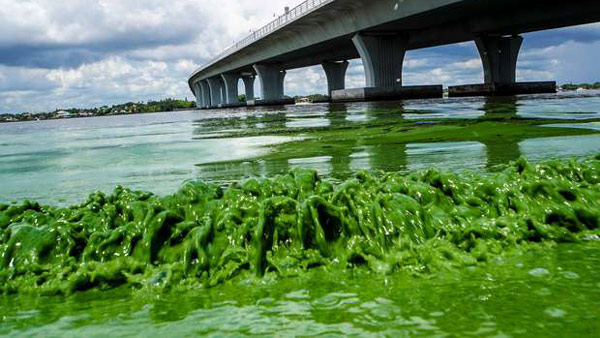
555, 294
311, 220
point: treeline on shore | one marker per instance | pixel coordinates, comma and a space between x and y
169, 105
574, 86
166, 105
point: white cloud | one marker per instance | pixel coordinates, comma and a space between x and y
306, 81
124, 50
23, 79
117, 79
84, 21
415, 63
93, 52
568, 62
469, 64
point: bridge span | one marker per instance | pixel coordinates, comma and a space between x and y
331, 32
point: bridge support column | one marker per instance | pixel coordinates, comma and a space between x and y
223, 92
199, 96
336, 75
216, 91
383, 57
249, 86
205, 94
271, 78
499, 56
231, 89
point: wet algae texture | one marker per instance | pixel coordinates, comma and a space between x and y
204, 235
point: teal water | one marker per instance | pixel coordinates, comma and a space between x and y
62, 161
554, 291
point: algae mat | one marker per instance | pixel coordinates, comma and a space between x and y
204, 235
431, 253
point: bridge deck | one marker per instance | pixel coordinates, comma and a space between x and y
321, 30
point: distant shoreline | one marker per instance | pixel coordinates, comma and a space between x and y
167, 105
579, 86
173, 105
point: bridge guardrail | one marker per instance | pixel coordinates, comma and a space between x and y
292, 15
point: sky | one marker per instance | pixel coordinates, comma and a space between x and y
89, 53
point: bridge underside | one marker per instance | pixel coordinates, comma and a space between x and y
380, 32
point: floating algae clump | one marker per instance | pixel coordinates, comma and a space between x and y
204, 235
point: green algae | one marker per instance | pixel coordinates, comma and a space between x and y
204, 234
495, 135
351, 302
386, 132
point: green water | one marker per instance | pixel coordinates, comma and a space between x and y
518, 290
555, 294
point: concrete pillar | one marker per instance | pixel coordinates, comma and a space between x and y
271, 80
223, 93
198, 93
382, 56
249, 85
206, 99
280, 83
336, 75
216, 91
499, 57
231, 88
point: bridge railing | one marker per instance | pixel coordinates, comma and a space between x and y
292, 15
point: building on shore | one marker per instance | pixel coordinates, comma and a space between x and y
63, 114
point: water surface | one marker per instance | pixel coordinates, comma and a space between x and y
555, 292
62, 161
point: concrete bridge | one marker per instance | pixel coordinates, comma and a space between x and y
331, 32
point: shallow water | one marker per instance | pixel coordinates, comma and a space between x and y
551, 293
556, 294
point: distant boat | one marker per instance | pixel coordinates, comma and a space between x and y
303, 101
64, 114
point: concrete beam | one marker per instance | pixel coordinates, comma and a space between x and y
249, 86
502, 89
216, 91
206, 99
336, 75
382, 56
231, 81
271, 78
499, 56
387, 93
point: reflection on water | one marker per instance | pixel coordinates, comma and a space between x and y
341, 160
62, 161
562, 107
451, 156
322, 164
557, 147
